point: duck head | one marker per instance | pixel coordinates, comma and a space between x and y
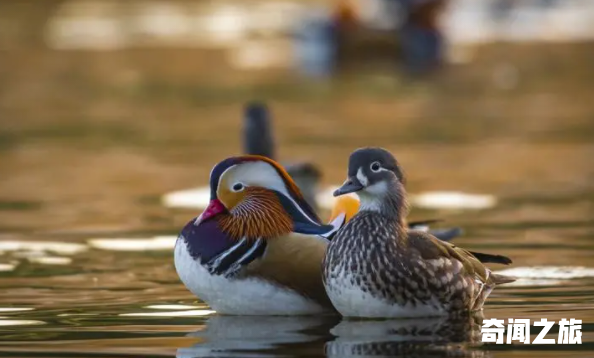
377, 178
253, 196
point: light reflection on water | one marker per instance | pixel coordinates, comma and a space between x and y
198, 198
134, 244
19, 322
118, 294
92, 290
121, 296
190, 313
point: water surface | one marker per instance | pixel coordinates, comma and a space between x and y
90, 141
112, 297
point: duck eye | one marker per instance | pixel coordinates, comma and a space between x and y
375, 167
237, 187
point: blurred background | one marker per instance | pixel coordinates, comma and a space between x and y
106, 106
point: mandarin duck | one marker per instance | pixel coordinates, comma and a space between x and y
375, 267
257, 249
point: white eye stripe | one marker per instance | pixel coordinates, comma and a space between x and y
362, 177
261, 174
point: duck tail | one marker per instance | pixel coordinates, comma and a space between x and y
345, 204
491, 259
501, 279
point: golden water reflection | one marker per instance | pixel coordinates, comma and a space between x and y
63, 248
15, 309
19, 322
134, 244
90, 141
189, 313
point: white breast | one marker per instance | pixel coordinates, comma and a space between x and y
351, 301
246, 296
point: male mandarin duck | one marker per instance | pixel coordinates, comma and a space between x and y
257, 249
241, 255
375, 267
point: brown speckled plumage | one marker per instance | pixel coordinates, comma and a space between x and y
373, 257
406, 269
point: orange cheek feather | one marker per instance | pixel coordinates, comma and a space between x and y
258, 213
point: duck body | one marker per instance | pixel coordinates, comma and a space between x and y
257, 248
382, 275
287, 276
256, 290
375, 267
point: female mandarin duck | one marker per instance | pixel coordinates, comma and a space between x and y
257, 248
374, 267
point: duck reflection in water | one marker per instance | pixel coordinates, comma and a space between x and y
240, 336
418, 337
231, 336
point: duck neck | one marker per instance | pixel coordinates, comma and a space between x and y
260, 215
392, 204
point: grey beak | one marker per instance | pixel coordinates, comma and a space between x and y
351, 185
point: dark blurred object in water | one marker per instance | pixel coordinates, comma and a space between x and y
258, 139
344, 14
345, 39
257, 129
422, 40
316, 45
307, 176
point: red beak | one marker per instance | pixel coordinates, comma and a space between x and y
215, 207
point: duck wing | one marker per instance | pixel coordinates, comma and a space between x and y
232, 260
218, 252
431, 248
